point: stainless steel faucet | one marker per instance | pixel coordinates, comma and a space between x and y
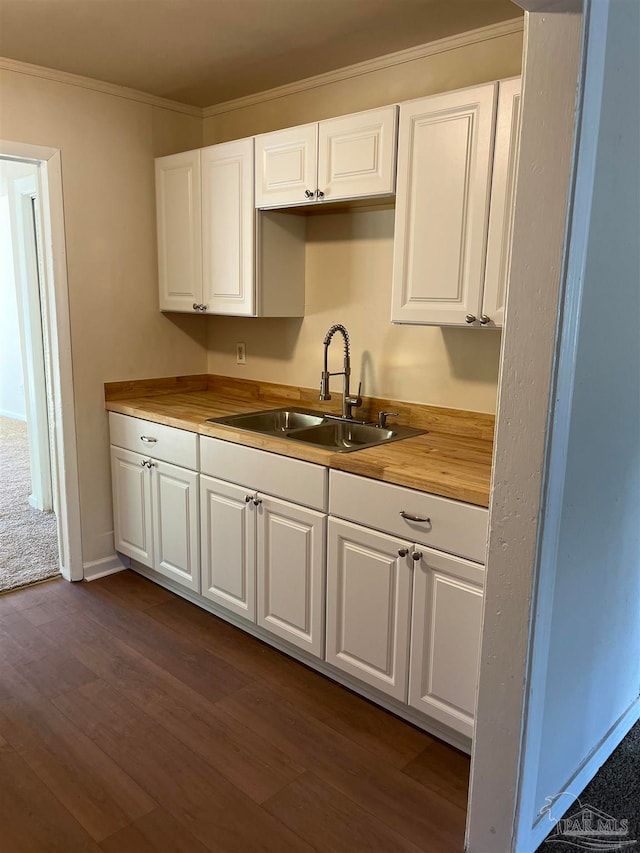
348, 402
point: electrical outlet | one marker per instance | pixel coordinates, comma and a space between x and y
241, 354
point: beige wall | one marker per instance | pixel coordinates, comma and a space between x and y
107, 147
349, 258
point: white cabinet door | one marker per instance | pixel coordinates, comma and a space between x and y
176, 524
445, 150
369, 606
228, 538
357, 154
132, 513
287, 166
291, 578
179, 231
445, 641
503, 186
228, 228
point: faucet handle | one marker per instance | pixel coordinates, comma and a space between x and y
382, 418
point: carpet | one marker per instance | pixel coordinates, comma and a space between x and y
615, 791
28, 538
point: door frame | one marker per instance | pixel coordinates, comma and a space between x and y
28, 281
57, 329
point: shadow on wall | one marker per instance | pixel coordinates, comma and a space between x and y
192, 326
473, 354
274, 338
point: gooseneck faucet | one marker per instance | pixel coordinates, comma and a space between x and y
348, 402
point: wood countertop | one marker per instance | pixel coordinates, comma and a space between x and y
452, 459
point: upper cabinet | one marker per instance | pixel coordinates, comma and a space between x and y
450, 255
503, 186
178, 209
353, 156
212, 258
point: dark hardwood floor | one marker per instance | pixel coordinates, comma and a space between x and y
133, 722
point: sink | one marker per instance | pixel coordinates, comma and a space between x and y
274, 422
317, 429
345, 437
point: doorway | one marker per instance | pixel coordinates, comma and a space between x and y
28, 529
40, 508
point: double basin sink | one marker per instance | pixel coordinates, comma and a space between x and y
317, 429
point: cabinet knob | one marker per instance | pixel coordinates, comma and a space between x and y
471, 318
402, 552
256, 500
319, 194
248, 498
144, 463
308, 193
203, 307
196, 307
484, 320
417, 555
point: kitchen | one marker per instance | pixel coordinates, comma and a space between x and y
107, 150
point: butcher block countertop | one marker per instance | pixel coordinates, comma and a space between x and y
453, 458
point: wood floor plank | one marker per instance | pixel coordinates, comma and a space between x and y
199, 668
326, 818
93, 788
32, 820
219, 815
389, 737
252, 764
133, 590
419, 815
156, 832
444, 770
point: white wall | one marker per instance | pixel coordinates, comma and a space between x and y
593, 674
107, 143
12, 399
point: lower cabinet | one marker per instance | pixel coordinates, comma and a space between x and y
156, 515
369, 606
405, 619
263, 558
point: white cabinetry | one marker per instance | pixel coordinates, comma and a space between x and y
369, 606
263, 556
450, 264
503, 187
214, 255
353, 156
178, 208
445, 638
402, 617
155, 501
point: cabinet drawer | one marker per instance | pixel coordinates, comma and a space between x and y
453, 527
176, 446
258, 470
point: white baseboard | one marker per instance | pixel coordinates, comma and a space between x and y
105, 566
587, 770
15, 416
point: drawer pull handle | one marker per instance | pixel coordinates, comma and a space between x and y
409, 517
148, 439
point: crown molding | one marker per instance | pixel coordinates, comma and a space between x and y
52, 74
504, 28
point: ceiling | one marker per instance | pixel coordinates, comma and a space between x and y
203, 52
